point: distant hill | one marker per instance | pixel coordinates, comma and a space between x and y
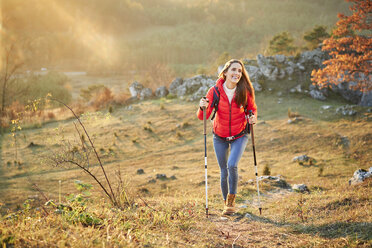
118, 35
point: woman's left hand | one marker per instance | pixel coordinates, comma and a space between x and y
252, 119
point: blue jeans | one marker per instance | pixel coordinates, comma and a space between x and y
229, 164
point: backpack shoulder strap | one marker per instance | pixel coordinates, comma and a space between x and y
216, 100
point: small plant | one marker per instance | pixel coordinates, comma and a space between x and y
320, 171
266, 171
75, 209
301, 209
186, 124
292, 114
171, 96
110, 109
147, 128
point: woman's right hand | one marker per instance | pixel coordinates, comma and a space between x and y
203, 102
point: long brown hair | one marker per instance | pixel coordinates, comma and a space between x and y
244, 83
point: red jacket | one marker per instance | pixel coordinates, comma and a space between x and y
230, 118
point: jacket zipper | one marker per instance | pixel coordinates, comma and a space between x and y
230, 119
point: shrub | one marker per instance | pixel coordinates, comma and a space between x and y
282, 43
316, 36
41, 85
266, 171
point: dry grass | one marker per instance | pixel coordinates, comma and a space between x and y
171, 212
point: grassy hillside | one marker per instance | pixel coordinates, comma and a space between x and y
164, 136
120, 35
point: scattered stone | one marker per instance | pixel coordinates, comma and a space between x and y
275, 181
135, 89
249, 216
146, 93
294, 120
257, 87
297, 89
224, 219
140, 171
360, 175
244, 206
173, 177
161, 176
346, 110
326, 107
161, 92
152, 181
174, 85
280, 58
366, 99
318, 95
304, 160
300, 188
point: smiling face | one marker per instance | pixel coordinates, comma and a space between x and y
233, 74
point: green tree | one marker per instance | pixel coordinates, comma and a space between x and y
282, 43
316, 36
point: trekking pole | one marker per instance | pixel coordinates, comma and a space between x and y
205, 159
255, 163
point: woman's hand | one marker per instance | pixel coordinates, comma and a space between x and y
203, 102
252, 119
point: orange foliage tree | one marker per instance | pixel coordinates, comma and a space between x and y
350, 50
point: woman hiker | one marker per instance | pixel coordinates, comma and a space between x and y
230, 128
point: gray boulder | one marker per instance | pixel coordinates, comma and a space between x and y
360, 175
254, 72
192, 85
313, 59
265, 67
135, 89
161, 91
302, 158
257, 87
318, 95
302, 188
346, 91
346, 110
366, 100
202, 91
146, 93
280, 58
289, 70
174, 85
275, 181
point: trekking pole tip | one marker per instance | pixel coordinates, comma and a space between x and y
260, 211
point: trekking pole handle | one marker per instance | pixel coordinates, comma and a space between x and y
205, 117
251, 127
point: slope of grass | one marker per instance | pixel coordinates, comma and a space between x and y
164, 136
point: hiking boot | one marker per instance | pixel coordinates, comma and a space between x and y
229, 208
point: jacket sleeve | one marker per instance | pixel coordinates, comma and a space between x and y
209, 96
251, 105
